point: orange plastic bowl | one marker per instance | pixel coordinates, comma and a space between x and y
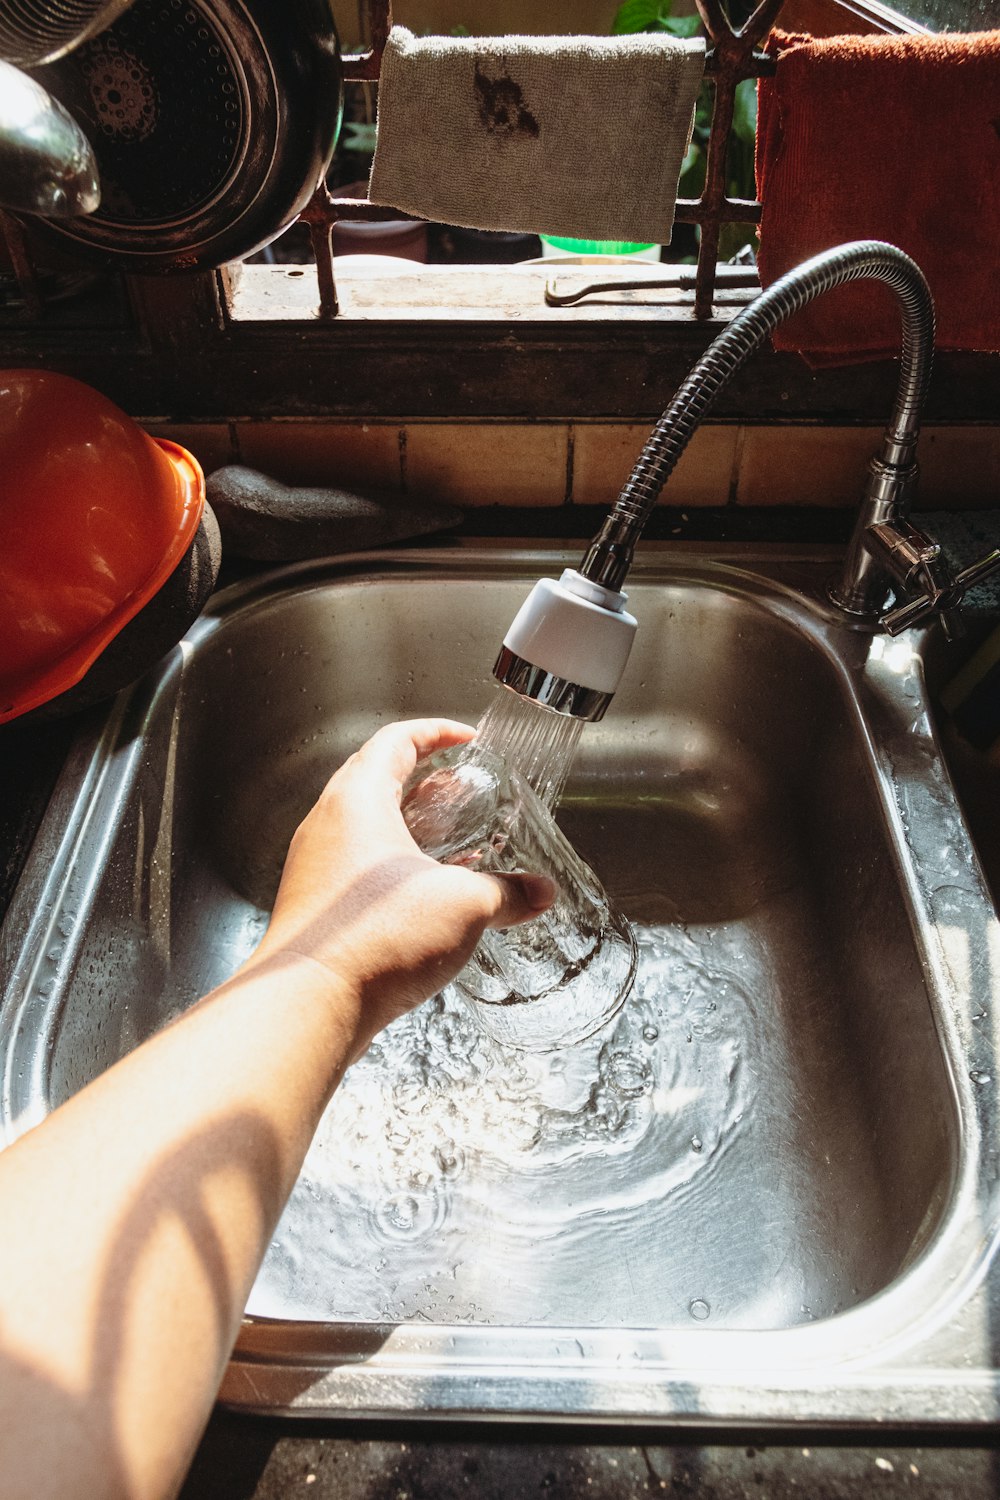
94, 517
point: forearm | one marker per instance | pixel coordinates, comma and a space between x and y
136, 1216
136, 1219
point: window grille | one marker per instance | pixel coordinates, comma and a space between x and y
733, 55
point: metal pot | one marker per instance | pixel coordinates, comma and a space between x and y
212, 122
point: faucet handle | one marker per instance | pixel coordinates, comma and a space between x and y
942, 596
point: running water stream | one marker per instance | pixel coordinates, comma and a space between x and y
537, 742
555, 979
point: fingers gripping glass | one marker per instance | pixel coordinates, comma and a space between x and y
548, 982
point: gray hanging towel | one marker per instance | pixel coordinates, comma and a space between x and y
565, 135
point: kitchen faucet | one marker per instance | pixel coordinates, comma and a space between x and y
568, 644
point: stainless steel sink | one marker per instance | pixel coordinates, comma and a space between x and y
768, 1192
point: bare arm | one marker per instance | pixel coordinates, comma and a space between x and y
136, 1216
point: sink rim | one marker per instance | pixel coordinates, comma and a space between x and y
354, 1367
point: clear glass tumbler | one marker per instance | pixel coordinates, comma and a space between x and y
549, 982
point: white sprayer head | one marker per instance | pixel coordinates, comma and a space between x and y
567, 645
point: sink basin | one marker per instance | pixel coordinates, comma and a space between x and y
766, 1192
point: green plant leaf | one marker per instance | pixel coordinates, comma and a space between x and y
356, 135
692, 177
702, 116
638, 15
653, 15
679, 25
745, 110
732, 238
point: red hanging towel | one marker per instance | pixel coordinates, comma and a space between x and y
889, 138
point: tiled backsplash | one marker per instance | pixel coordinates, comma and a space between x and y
584, 463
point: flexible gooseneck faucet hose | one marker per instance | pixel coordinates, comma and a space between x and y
568, 645
610, 553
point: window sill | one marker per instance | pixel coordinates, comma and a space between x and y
181, 355
383, 290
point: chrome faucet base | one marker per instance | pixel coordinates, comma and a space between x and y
863, 587
887, 555
853, 606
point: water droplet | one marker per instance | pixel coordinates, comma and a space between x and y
696, 1143
450, 1159
401, 1212
629, 1075
649, 1033
699, 1308
978, 1076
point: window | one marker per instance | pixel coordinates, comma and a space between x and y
455, 338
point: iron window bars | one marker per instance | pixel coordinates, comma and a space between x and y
733, 55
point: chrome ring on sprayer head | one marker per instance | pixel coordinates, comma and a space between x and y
550, 691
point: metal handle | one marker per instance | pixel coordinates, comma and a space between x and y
683, 278
942, 601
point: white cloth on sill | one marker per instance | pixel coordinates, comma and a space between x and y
582, 137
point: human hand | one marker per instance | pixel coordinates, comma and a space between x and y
357, 895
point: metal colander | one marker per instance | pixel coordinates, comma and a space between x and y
163, 97
212, 121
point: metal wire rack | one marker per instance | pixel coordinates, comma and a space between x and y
733, 55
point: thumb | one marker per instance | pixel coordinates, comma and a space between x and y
518, 898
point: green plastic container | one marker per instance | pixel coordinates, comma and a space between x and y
594, 247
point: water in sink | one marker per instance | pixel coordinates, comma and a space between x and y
785, 1162
457, 1181
453, 1168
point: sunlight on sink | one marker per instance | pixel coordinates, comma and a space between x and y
771, 1159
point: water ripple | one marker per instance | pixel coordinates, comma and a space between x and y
457, 1180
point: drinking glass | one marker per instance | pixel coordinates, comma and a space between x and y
554, 980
